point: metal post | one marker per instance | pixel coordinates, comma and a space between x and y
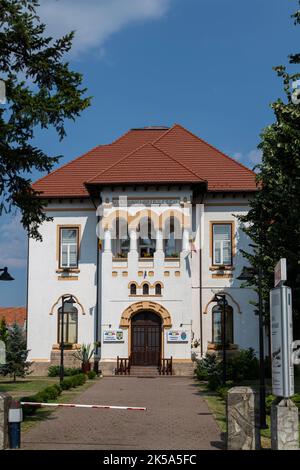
262, 385
224, 338
61, 371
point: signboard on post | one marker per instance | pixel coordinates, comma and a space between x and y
280, 273
282, 342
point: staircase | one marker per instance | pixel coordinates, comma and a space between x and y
144, 371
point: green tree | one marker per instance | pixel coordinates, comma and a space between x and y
16, 354
273, 222
3, 330
41, 91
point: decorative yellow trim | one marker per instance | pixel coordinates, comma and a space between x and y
177, 273
151, 273
132, 282
140, 273
68, 270
124, 273
167, 273
67, 278
114, 274
144, 305
227, 295
158, 282
222, 276
60, 297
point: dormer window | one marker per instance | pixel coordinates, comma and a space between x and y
69, 239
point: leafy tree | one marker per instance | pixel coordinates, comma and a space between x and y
273, 222
41, 91
3, 330
16, 354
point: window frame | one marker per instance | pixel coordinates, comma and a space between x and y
231, 224
214, 310
60, 229
66, 323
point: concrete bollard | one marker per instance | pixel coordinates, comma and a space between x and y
284, 425
242, 411
5, 401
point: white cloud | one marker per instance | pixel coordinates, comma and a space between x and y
13, 242
96, 20
250, 159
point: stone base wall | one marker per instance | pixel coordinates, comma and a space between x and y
69, 359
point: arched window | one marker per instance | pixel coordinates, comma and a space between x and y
70, 325
132, 289
158, 289
172, 238
145, 289
147, 238
217, 325
120, 239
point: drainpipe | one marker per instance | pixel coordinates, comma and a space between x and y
98, 289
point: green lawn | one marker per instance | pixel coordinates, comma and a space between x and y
218, 408
32, 385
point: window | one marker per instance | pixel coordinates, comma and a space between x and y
132, 289
121, 240
70, 326
147, 241
146, 289
69, 247
158, 289
217, 325
222, 245
173, 238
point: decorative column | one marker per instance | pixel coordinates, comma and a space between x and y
133, 240
107, 241
5, 401
186, 240
284, 425
159, 240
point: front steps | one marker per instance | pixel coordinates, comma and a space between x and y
144, 371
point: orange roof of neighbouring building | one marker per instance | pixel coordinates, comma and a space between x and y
13, 315
149, 155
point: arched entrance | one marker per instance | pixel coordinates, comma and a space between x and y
145, 338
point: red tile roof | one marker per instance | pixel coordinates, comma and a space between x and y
13, 314
150, 155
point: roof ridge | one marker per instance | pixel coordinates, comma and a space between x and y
118, 161
68, 163
179, 163
215, 148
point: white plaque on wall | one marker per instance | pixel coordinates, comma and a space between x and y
113, 336
177, 336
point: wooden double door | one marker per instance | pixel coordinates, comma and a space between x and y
145, 339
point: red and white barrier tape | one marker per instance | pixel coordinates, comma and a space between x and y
72, 405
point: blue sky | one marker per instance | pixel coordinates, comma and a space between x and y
206, 64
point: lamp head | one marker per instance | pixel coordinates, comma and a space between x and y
5, 276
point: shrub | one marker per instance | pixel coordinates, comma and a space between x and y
91, 375
53, 371
243, 365
223, 390
73, 381
207, 366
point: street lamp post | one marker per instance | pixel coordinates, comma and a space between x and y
5, 276
220, 299
67, 307
247, 275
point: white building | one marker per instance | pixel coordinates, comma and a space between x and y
167, 205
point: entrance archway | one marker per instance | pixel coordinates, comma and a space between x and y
146, 338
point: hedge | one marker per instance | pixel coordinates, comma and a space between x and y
53, 371
52, 392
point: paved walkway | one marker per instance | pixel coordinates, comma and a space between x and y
177, 418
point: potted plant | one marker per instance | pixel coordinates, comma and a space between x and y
84, 355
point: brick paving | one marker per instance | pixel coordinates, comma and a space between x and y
177, 417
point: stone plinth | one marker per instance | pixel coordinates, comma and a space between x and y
284, 425
243, 431
5, 401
